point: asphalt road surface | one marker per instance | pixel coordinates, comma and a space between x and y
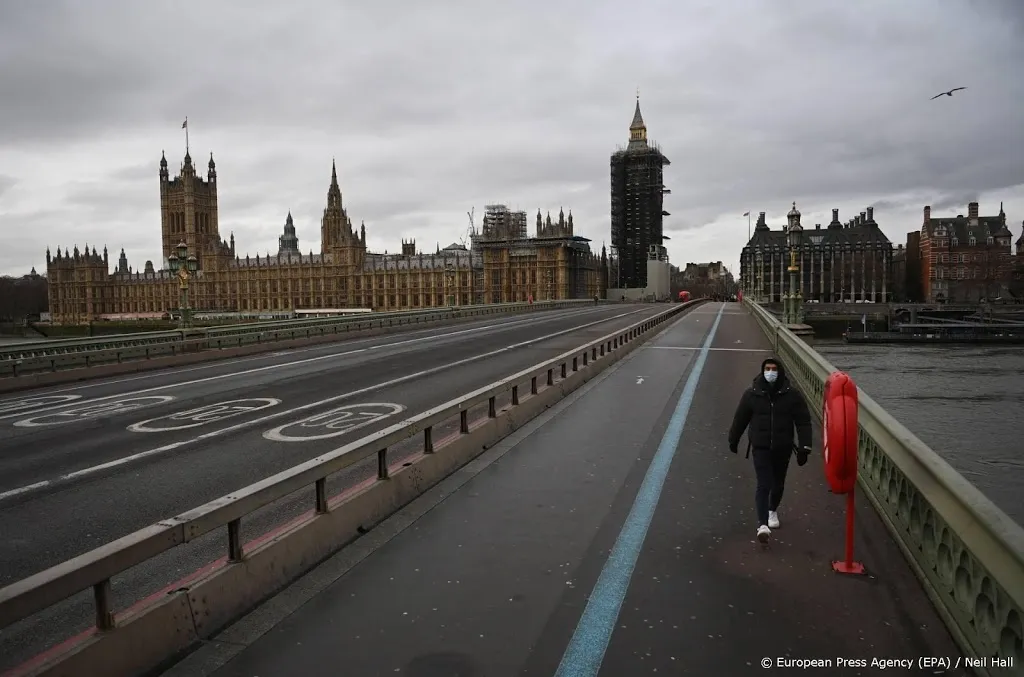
81, 466
612, 536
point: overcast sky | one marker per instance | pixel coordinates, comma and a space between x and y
435, 108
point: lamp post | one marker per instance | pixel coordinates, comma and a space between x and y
794, 298
185, 266
449, 280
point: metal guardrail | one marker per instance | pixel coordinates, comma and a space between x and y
52, 356
95, 569
967, 552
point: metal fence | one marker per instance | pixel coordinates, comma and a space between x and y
55, 355
967, 552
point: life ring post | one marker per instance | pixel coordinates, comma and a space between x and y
840, 440
848, 566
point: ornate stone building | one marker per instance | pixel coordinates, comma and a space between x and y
501, 266
844, 262
964, 260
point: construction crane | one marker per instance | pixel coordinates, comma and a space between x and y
467, 240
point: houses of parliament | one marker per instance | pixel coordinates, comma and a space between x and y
502, 264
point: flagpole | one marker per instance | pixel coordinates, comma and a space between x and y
184, 126
748, 226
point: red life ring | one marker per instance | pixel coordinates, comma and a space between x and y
840, 432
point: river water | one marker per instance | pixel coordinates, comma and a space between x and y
966, 402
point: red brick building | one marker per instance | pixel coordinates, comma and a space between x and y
964, 260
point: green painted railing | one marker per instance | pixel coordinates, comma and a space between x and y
968, 553
56, 355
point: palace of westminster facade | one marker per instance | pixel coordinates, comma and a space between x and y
503, 264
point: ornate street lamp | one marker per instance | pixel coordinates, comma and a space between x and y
795, 298
184, 265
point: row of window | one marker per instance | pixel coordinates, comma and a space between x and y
961, 258
886, 249
961, 273
972, 242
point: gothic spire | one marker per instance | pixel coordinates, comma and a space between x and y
638, 118
637, 128
334, 192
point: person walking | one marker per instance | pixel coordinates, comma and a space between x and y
771, 408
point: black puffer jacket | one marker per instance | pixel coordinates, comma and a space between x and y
772, 410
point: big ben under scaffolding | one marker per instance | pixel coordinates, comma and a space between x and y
637, 205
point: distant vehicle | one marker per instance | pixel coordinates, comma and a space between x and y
684, 296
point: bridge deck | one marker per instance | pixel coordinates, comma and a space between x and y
490, 573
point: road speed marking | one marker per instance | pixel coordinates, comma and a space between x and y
88, 411
210, 413
35, 402
338, 421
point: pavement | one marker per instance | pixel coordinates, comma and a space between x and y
81, 466
612, 536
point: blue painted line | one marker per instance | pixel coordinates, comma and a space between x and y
586, 649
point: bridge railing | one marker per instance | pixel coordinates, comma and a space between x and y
96, 568
55, 355
967, 552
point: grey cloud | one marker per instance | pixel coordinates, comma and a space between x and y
958, 200
444, 106
6, 183
881, 205
135, 172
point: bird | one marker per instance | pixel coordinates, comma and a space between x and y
949, 93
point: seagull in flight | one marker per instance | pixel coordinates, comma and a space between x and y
949, 93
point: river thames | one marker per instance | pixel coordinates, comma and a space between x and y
966, 402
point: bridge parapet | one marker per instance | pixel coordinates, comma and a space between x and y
968, 554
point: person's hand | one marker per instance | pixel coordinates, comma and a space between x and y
802, 455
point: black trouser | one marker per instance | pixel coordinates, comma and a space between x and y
771, 466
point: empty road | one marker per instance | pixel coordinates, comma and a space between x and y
83, 465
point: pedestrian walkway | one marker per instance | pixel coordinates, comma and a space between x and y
612, 537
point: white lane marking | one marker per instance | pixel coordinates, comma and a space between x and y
728, 350
339, 421
346, 353
639, 380
34, 402
24, 489
211, 413
92, 410
355, 393
326, 346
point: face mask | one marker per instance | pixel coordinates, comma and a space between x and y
770, 376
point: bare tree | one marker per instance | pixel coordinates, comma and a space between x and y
22, 297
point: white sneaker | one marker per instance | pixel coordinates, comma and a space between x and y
764, 533
773, 519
